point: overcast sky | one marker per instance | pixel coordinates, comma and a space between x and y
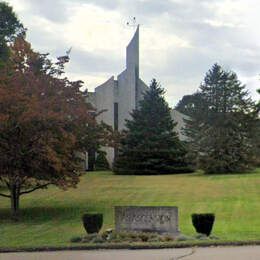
179, 39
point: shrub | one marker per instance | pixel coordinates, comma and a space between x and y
112, 236
203, 223
98, 240
167, 238
92, 222
183, 237
101, 162
107, 234
201, 236
144, 237
75, 239
89, 238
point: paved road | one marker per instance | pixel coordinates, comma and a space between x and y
210, 253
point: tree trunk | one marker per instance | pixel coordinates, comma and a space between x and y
15, 196
91, 159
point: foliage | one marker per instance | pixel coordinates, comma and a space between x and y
255, 130
10, 27
134, 237
44, 124
220, 132
75, 239
150, 145
101, 162
190, 105
124, 237
203, 223
92, 222
93, 136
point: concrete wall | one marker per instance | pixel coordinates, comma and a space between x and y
126, 97
104, 100
141, 89
179, 119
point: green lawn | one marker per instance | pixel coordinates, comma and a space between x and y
51, 217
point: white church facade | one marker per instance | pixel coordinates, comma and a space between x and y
118, 97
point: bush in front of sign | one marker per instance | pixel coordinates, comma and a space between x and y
203, 223
92, 222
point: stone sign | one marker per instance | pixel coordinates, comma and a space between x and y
147, 219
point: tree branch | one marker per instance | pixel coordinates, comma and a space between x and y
5, 181
35, 188
4, 195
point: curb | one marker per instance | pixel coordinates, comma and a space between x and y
130, 246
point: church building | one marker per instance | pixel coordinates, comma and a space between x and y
117, 97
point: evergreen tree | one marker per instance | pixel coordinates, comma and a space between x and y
258, 103
190, 104
220, 133
101, 163
255, 132
150, 145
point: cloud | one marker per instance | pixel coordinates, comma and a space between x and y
82, 61
56, 11
179, 40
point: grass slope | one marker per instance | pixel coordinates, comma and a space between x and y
51, 217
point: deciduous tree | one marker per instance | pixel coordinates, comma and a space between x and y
44, 123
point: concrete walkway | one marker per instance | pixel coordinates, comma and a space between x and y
209, 253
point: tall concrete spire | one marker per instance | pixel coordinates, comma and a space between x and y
132, 53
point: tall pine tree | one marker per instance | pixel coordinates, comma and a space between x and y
220, 133
150, 145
